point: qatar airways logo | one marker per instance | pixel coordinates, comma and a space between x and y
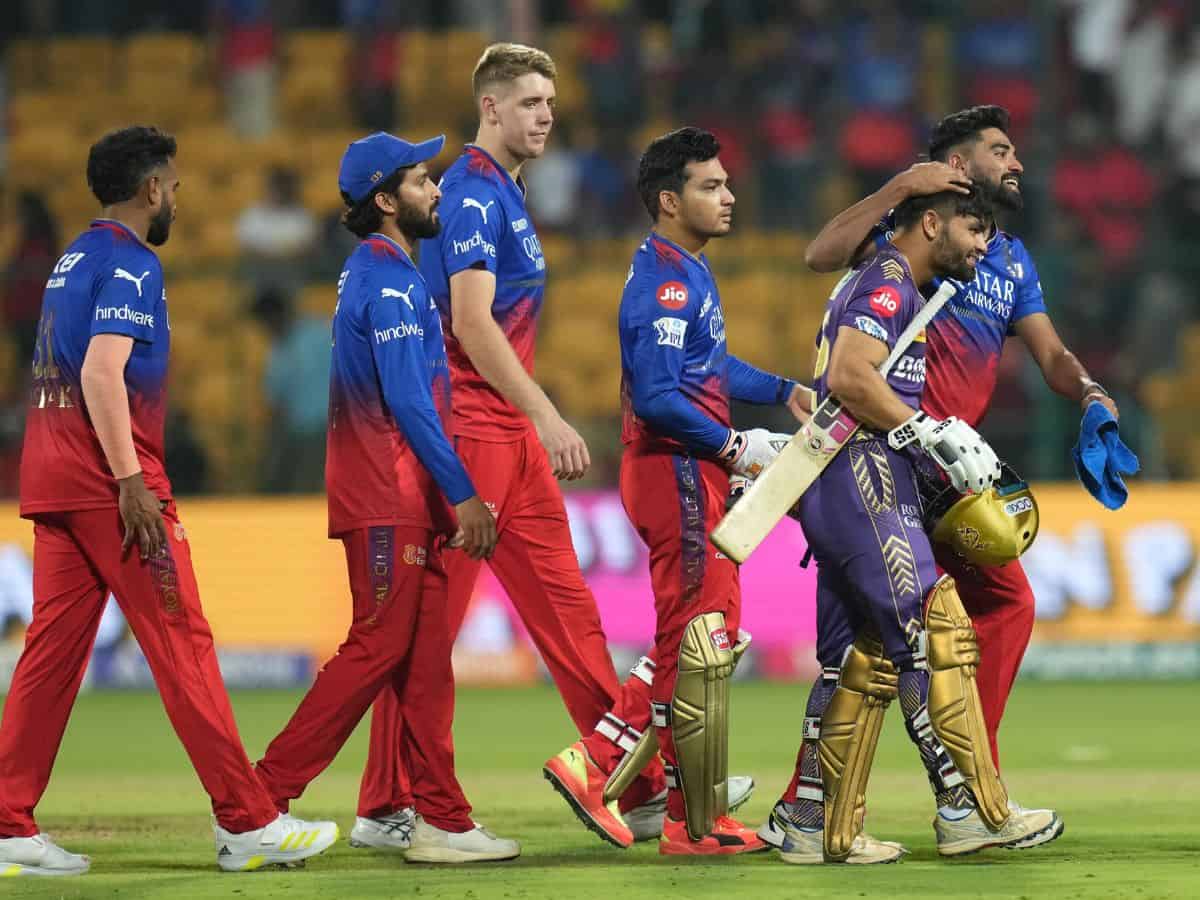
396, 332
124, 314
475, 241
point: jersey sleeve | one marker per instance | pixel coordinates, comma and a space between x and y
472, 225
656, 341
127, 295
877, 307
752, 385
1030, 299
398, 349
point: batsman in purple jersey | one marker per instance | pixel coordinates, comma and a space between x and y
885, 622
869, 542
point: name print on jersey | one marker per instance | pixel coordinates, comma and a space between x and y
475, 240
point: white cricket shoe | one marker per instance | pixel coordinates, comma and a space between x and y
780, 832
956, 837
1044, 836
807, 848
391, 832
283, 842
646, 821
430, 844
39, 855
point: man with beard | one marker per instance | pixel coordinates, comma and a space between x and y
94, 483
487, 274
677, 379
398, 497
887, 624
963, 353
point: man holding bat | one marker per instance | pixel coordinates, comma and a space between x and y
887, 625
965, 340
677, 379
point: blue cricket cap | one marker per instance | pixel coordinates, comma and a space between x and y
368, 161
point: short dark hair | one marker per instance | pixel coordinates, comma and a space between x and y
948, 204
965, 125
365, 216
119, 162
662, 166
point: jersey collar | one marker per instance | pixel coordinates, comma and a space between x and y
518, 183
120, 226
700, 260
375, 235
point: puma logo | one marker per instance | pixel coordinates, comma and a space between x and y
483, 208
128, 276
403, 295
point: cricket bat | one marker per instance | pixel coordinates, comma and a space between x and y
805, 456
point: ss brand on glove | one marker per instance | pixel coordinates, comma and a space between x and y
748, 452
955, 446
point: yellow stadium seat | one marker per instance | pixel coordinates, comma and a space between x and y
316, 49
83, 64
163, 57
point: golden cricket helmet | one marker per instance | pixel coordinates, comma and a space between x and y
990, 528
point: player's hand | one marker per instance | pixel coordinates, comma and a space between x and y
476, 533
738, 485
801, 403
141, 516
925, 178
749, 452
1103, 399
955, 446
568, 453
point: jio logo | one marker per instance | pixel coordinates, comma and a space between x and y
673, 295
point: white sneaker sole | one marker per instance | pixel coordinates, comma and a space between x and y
360, 842
237, 862
1045, 836
16, 870
450, 856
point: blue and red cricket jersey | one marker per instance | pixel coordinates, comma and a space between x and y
388, 458
107, 282
676, 376
485, 225
966, 337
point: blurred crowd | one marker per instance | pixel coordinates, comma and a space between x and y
815, 103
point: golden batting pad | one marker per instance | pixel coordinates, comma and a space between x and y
700, 723
850, 729
954, 708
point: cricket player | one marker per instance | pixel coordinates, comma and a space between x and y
94, 484
887, 624
399, 500
677, 381
963, 353
487, 274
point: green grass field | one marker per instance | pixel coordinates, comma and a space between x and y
1118, 760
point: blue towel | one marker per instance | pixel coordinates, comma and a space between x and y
1101, 458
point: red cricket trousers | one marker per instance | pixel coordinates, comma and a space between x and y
673, 502
535, 563
399, 642
77, 561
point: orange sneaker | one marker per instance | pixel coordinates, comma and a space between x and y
728, 836
581, 783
